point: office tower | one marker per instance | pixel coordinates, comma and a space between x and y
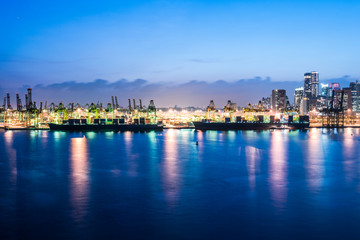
311, 85
347, 99
266, 102
304, 106
325, 96
355, 94
335, 86
299, 93
314, 84
343, 95
307, 85
325, 90
278, 100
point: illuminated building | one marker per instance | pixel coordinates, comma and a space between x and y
335, 86
304, 106
266, 102
347, 101
307, 85
311, 85
278, 100
325, 90
355, 94
299, 93
325, 96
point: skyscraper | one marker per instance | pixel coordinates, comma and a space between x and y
311, 85
299, 93
325, 90
325, 96
355, 93
335, 86
347, 100
278, 100
307, 85
304, 106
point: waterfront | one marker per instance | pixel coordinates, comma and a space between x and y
238, 184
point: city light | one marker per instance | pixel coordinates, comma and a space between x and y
327, 103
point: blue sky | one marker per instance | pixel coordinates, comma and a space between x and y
175, 42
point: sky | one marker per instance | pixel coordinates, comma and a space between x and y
166, 45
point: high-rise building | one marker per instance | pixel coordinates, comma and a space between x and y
304, 106
335, 86
347, 100
311, 85
355, 94
343, 95
266, 102
278, 100
314, 84
324, 99
307, 85
325, 90
299, 93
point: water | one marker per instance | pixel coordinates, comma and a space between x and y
232, 185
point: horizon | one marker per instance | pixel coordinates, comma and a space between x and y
200, 92
179, 119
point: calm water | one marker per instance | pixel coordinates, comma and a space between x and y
232, 185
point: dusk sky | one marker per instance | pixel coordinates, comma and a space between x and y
171, 44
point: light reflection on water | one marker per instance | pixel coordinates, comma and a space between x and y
252, 162
278, 167
349, 152
315, 159
132, 157
79, 177
199, 138
275, 183
11, 155
171, 180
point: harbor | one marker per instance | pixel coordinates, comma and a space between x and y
140, 117
179, 120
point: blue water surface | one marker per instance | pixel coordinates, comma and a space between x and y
276, 184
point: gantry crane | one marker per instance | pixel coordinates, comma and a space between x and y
334, 113
210, 110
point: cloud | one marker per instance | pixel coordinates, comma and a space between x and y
344, 80
165, 94
191, 93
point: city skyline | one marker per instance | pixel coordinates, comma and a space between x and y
198, 93
179, 119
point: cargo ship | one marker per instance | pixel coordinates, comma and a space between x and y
256, 125
79, 125
223, 126
253, 118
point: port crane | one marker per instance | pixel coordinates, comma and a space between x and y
210, 110
334, 113
255, 113
228, 110
151, 112
61, 112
